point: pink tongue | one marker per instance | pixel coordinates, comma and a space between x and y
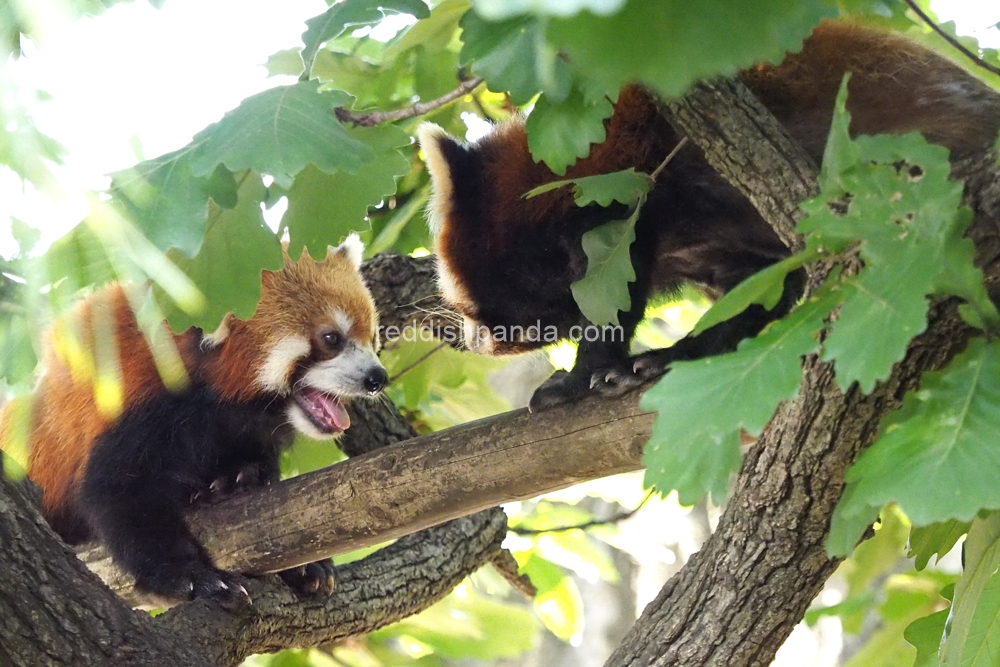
327, 409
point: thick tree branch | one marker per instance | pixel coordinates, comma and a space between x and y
54, 612
739, 597
743, 141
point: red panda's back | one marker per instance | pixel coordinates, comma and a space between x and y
896, 86
66, 418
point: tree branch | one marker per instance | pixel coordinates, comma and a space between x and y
737, 599
412, 111
744, 142
412, 485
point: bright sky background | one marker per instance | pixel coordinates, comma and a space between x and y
162, 75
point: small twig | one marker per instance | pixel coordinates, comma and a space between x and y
418, 109
506, 567
666, 160
424, 357
951, 40
621, 516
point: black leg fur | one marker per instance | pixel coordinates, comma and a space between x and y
607, 369
608, 354
143, 473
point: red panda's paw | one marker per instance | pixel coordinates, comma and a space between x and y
196, 580
611, 380
311, 579
250, 476
561, 387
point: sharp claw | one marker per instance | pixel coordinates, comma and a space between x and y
239, 478
216, 486
243, 591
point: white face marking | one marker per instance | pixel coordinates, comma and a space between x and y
342, 320
429, 135
476, 336
304, 425
274, 374
353, 249
344, 374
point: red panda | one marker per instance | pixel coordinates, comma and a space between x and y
507, 262
127, 479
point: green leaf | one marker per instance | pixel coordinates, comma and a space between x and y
974, 628
434, 33
324, 208
764, 288
237, 247
846, 530
603, 291
937, 455
26, 236
877, 557
469, 626
334, 21
513, 56
706, 39
936, 539
703, 404
17, 353
558, 601
626, 186
560, 133
925, 634
167, 203
496, 10
907, 215
278, 132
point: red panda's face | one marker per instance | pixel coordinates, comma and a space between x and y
502, 263
318, 330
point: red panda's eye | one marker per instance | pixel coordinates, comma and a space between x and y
331, 339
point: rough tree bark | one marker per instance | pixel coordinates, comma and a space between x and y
737, 599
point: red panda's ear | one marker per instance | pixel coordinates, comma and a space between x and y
352, 248
448, 161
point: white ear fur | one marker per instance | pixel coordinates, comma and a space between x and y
442, 189
353, 249
217, 337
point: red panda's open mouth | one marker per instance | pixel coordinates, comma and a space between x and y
325, 411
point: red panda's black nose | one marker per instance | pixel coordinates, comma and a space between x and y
375, 381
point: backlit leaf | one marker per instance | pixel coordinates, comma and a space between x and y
227, 269
936, 539
324, 208
334, 21
278, 132
974, 628
703, 404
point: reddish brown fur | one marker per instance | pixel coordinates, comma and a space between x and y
66, 422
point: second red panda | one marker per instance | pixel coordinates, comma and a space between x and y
126, 480
507, 263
